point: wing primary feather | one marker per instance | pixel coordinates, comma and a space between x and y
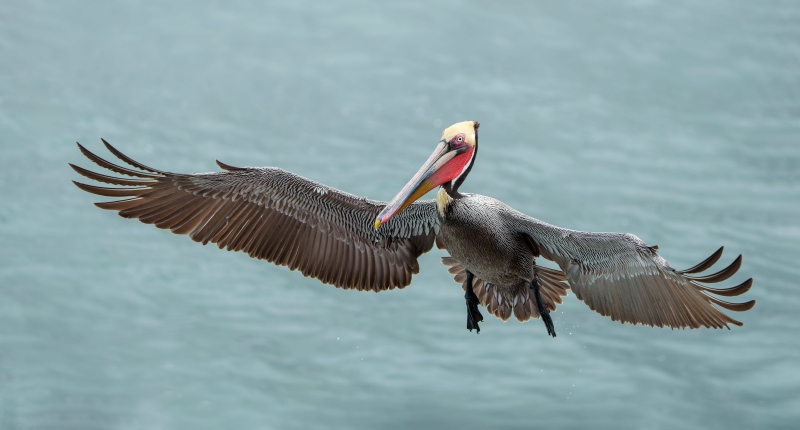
722, 274
160, 190
207, 216
188, 224
212, 226
671, 296
111, 179
733, 291
111, 192
241, 230
705, 264
224, 221
155, 206
169, 212
174, 220
120, 205
113, 167
232, 227
129, 160
736, 307
235, 223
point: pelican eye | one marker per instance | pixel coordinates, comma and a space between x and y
457, 142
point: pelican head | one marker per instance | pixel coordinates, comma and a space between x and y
448, 166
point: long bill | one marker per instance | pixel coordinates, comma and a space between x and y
429, 176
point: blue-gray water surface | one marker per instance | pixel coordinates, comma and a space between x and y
677, 121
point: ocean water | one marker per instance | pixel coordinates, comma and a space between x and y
678, 121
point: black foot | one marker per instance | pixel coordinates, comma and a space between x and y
473, 314
543, 311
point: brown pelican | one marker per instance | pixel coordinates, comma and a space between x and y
356, 243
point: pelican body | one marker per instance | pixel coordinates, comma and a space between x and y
357, 243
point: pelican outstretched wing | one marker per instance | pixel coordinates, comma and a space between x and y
620, 276
277, 216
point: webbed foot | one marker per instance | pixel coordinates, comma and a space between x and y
540, 306
473, 314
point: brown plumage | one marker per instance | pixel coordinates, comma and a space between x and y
276, 216
356, 243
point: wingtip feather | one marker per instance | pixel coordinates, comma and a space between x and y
705, 264
129, 160
722, 274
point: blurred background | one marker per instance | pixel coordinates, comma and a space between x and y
677, 121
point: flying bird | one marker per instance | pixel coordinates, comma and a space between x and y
355, 243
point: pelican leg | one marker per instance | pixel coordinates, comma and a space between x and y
473, 314
543, 311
